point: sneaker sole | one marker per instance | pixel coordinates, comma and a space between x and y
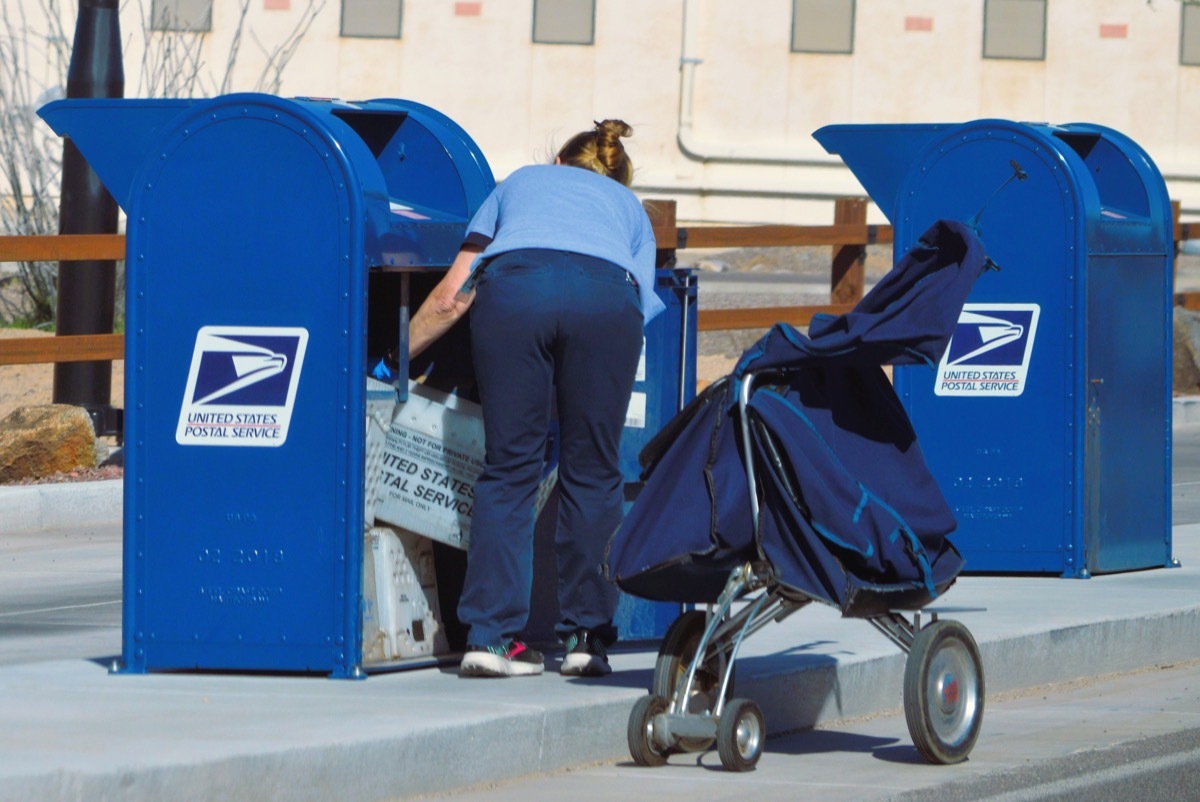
584, 665
485, 664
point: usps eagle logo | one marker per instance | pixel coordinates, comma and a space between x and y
241, 386
989, 353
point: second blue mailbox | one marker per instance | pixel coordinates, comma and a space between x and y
1048, 422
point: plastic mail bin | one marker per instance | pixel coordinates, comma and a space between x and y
1048, 422
253, 223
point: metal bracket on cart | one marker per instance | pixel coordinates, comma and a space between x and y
689, 706
896, 627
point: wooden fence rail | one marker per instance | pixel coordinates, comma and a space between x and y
67, 348
847, 238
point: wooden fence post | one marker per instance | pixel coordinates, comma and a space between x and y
849, 260
662, 215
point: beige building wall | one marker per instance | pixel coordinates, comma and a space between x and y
723, 111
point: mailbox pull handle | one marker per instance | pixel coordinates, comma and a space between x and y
1018, 173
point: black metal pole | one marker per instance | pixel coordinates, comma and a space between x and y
86, 290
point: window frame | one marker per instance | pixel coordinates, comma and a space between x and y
533, 33
853, 9
158, 7
1183, 20
399, 25
983, 45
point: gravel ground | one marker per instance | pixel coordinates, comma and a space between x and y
718, 350
76, 475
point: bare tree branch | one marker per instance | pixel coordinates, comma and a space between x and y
271, 78
29, 153
33, 69
234, 46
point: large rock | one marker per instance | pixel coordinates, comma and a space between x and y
43, 440
1187, 352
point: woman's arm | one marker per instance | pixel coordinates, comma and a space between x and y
444, 306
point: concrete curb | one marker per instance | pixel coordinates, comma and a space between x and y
60, 506
405, 762
1185, 411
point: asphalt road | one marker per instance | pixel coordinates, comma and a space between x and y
1185, 478
1164, 768
60, 594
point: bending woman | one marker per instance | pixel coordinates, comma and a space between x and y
558, 271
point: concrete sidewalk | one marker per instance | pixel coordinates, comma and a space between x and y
72, 730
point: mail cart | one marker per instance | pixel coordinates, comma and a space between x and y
1047, 423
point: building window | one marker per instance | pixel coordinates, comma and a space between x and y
1189, 34
1014, 29
374, 19
564, 22
822, 26
181, 15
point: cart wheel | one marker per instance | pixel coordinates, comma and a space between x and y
741, 734
674, 657
640, 731
943, 692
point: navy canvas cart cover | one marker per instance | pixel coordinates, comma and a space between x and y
849, 513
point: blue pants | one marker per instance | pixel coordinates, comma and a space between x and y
548, 327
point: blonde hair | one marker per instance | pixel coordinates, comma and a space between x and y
600, 150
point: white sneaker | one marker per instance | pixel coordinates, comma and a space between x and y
514, 659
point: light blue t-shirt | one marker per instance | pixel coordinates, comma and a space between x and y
570, 209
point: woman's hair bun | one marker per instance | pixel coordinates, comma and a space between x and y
613, 129
600, 150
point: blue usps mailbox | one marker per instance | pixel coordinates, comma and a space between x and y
253, 222
665, 383
1047, 423
666, 375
